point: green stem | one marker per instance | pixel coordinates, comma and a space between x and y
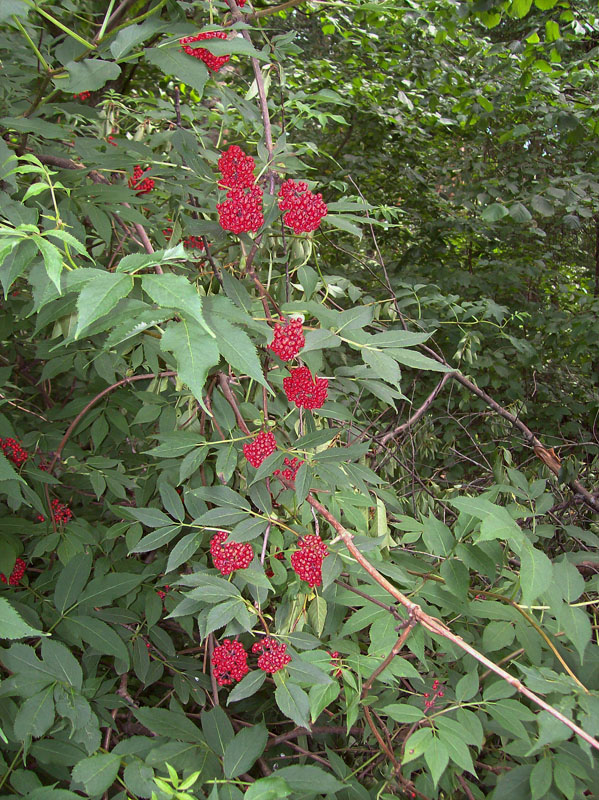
138, 19
59, 24
11, 767
32, 44
105, 20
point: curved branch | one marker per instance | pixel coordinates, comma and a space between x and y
96, 399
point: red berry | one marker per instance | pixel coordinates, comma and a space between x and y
288, 339
304, 209
241, 212
237, 169
81, 96
307, 561
228, 557
61, 513
112, 140
260, 448
13, 451
229, 662
292, 464
193, 243
212, 62
273, 656
141, 186
16, 574
304, 390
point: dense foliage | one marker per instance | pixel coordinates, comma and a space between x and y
298, 389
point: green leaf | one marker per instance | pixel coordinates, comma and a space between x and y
175, 291
12, 625
292, 701
568, 580
518, 211
270, 788
417, 744
211, 589
183, 551
103, 591
403, 712
577, 625
520, 8
494, 212
217, 729
7, 473
99, 297
52, 259
437, 758
179, 65
242, 752
36, 715
87, 75
59, 660
237, 349
536, 573
541, 779
467, 687
150, 517
173, 724
194, 351
97, 773
156, 539
541, 205
71, 581
317, 614
247, 686
417, 361
310, 780
100, 636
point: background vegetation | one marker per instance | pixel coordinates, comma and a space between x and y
450, 297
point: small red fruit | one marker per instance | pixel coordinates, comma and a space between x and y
288, 339
260, 448
212, 62
229, 556
304, 208
305, 390
307, 561
229, 662
274, 656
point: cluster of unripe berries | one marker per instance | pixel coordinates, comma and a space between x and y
304, 208
14, 451
229, 659
307, 561
242, 210
16, 574
229, 556
431, 698
139, 183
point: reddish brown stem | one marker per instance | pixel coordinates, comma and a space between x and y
96, 399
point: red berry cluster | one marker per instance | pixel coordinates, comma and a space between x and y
61, 513
288, 339
273, 656
260, 448
241, 212
304, 390
292, 465
307, 561
212, 62
141, 186
16, 574
229, 662
437, 692
230, 556
189, 243
112, 140
237, 169
162, 593
304, 208
82, 96
13, 451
